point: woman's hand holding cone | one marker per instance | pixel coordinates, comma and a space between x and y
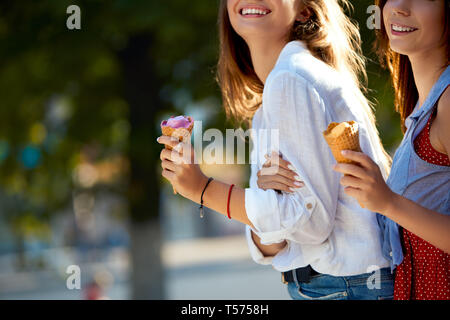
180, 169
364, 182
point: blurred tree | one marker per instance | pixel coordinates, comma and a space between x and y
73, 98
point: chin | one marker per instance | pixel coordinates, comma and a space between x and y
253, 33
401, 48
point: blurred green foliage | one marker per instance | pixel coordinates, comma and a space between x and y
380, 90
64, 97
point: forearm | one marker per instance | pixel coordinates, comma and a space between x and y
268, 250
429, 225
216, 197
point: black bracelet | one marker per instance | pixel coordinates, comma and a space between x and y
201, 198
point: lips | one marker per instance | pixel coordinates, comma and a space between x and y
254, 10
397, 28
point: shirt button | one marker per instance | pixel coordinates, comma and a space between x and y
309, 206
390, 253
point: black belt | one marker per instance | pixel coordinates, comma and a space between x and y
300, 275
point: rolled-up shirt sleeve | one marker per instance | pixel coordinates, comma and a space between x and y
292, 106
255, 253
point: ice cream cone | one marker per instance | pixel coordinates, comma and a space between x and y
182, 134
342, 136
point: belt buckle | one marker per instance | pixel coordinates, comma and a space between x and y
282, 279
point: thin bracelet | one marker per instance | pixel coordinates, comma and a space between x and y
201, 198
228, 202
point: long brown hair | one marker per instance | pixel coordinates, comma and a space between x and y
329, 35
399, 65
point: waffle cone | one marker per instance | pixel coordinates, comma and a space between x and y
182, 134
345, 139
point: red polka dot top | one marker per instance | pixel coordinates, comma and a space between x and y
424, 273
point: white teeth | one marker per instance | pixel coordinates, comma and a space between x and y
402, 29
253, 11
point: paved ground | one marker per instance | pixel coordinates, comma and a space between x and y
241, 280
219, 268
212, 268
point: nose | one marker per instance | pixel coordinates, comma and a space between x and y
401, 8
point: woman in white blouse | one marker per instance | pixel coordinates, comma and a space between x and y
293, 66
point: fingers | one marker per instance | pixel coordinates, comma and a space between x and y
278, 174
267, 182
171, 155
169, 175
275, 160
351, 181
167, 140
267, 171
359, 157
274, 185
350, 169
168, 165
266, 164
353, 192
274, 157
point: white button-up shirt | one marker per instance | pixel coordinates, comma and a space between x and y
322, 225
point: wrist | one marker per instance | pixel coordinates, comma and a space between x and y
203, 179
391, 205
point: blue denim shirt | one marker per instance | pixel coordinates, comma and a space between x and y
424, 183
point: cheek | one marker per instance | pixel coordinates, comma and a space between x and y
286, 18
294, 9
231, 4
432, 23
386, 13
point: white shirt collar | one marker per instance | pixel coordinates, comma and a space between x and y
290, 48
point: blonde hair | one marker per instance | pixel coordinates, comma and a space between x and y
329, 35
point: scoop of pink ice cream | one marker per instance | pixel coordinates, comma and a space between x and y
177, 122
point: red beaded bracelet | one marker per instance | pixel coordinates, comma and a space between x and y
228, 202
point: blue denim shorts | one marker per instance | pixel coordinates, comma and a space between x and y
378, 285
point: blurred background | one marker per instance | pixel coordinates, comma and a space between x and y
80, 180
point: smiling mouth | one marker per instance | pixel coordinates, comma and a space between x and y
396, 28
254, 12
